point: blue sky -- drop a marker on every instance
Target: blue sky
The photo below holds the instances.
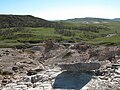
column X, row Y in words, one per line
column 62, row 9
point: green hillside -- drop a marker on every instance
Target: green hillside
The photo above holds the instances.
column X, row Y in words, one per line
column 90, row 20
column 7, row 21
column 32, row 30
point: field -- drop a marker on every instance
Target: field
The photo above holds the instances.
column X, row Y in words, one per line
column 99, row 34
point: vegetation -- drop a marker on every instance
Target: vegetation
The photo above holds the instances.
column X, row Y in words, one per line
column 91, row 20
column 31, row 30
column 7, row 21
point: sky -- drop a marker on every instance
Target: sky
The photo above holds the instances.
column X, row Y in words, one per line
column 62, row 9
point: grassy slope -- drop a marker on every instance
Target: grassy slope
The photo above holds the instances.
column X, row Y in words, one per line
column 40, row 34
column 113, row 40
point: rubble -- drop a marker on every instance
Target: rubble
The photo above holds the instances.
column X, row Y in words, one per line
column 55, row 67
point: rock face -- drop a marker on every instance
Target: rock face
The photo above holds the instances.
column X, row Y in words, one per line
column 80, row 66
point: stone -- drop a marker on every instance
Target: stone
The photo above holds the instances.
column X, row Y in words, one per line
column 6, row 80
column 36, row 88
column 99, row 73
column 49, row 45
column 104, row 78
column 28, row 84
column 11, row 85
column 117, row 71
column 26, row 79
column 81, row 47
column 71, row 80
column 80, row 66
column 36, row 78
column 31, row 72
column 116, row 65
column 15, row 68
column 22, row 87
column 7, row 71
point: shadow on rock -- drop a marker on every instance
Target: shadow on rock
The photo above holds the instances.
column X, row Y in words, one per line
column 72, row 80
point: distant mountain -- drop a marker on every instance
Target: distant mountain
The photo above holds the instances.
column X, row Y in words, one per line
column 116, row 19
column 23, row 20
column 88, row 20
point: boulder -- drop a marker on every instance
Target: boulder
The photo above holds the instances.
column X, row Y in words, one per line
column 80, row 66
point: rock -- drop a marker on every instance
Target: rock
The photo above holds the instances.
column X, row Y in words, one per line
column 71, row 80
column 39, row 68
column 81, row 47
column 21, row 87
column 31, row 66
column 11, row 85
column 6, row 80
column 49, row 45
column 26, row 79
column 104, row 78
column 79, row 58
column 28, row 84
column 37, row 88
column 4, row 72
column 116, row 65
column 117, row 76
column 15, row 68
column 47, row 86
column 31, row 72
column 36, row 78
column 99, row 73
column 37, row 48
column 117, row 71
column 80, row 66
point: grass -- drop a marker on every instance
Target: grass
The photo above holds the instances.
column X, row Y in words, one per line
column 10, row 44
column 36, row 35
column 113, row 40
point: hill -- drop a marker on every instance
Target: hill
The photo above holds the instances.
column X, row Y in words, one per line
column 88, row 20
column 21, row 30
column 116, row 19
column 23, row 20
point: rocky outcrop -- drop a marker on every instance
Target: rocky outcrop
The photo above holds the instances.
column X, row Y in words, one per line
column 51, row 45
column 81, row 47
column 41, row 81
column 54, row 79
column 80, row 66
column 29, row 65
